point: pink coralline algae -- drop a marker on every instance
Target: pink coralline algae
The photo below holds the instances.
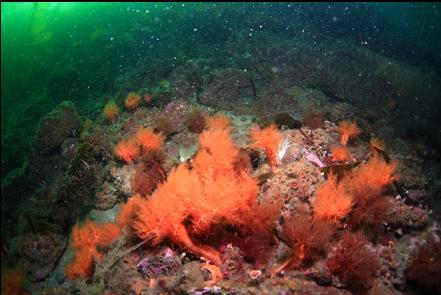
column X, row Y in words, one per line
column 313, row 158
column 164, row 264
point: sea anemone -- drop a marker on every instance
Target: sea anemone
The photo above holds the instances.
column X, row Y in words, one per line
column 91, row 235
column 347, row 130
column 254, row 274
column 81, row 266
column 132, row 101
column 126, row 215
column 215, row 142
column 111, row 111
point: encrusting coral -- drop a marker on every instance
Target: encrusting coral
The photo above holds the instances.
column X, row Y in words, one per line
column 209, row 193
column 347, row 130
column 268, row 139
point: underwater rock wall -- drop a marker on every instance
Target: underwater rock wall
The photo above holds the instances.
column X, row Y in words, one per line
column 331, row 148
column 290, row 242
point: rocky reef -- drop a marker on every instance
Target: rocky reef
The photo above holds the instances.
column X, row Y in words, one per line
column 289, row 177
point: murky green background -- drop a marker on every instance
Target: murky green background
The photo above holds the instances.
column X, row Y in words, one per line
column 87, row 52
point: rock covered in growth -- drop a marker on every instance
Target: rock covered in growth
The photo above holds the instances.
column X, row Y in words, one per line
column 47, row 162
column 424, row 266
column 279, row 100
column 341, row 111
column 160, row 265
column 55, row 144
column 106, row 197
column 297, row 180
column 42, row 249
column 345, row 263
column 56, row 126
column 229, row 89
column 122, row 179
column 79, row 186
column 176, row 112
column 100, row 140
column 391, row 269
column 40, row 252
column 181, row 147
column 69, row 147
column 14, row 187
column 411, row 173
column 296, row 101
column 408, row 216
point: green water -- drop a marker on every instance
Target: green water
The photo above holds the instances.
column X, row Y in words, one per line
column 88, row 52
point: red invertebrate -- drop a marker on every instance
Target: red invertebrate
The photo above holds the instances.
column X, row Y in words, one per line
column 347, row 130
column 86, row 241
column 210, row 193
column 306, row 237
column 269, row 140
column 127, row 150
column 353, row 263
